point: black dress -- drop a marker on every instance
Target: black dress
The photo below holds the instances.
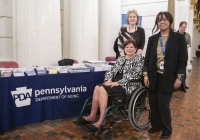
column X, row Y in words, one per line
column 115, row 89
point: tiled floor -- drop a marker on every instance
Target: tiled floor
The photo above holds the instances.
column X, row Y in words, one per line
column 185, row 121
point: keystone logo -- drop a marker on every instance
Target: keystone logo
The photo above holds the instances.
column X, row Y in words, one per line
column 22, row 96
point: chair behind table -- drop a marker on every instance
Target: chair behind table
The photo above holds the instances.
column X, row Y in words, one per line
column 8, row 64
column 110, row 58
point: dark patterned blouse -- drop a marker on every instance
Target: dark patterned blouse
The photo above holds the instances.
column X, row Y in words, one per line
column 138, row 35
column 132, row 70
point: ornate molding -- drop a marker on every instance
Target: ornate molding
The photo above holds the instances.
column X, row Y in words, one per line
column 196, row 12
column 192, row 2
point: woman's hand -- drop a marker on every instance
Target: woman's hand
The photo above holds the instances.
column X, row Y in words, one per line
column 112, row 84
column 146, row 82
column 139, row 51
column 177, row 83
column 108, row 81
column 122, row 53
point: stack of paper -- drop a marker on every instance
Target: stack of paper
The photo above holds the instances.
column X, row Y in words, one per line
column 62, row 69
column 98, row 67
column 6, row 72
column 52, row 70
column 95, row 61
column 41, row 70
column 30, row 71
column 77, row 69
column 18, row 72
column 106, row 67
column 93, row 67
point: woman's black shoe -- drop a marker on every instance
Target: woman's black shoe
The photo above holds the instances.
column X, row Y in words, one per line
column 81, row 121
column 164, row 136
column 151, row 130
column 92, row 128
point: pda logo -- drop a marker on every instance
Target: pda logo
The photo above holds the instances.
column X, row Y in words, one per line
column 22, row 96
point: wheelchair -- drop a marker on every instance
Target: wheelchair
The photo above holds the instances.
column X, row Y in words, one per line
column 134, row 108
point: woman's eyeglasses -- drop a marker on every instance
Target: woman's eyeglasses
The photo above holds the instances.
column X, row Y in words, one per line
column 164, row 20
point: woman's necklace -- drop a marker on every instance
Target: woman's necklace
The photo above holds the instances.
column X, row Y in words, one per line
column 131, row 31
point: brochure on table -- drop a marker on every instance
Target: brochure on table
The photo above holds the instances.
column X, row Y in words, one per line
column 86, row 66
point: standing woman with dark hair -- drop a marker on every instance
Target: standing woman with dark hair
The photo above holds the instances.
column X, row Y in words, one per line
column 131, row 31
column 163, row 70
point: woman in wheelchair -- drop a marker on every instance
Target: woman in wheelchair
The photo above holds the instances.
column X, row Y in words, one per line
column 117, row 80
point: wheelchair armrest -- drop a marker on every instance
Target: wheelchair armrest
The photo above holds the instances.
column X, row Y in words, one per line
column 136, row 80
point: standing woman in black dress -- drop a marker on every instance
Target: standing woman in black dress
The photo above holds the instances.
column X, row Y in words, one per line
column 131, row 31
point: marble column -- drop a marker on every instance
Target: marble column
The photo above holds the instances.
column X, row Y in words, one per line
column 191, row 51
column 110, row 23
column 171, row 9
column 66, row 29
column 83, row 29
column 37, row 32
column 6, row 32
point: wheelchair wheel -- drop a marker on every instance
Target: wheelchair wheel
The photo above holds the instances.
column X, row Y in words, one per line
column 107, row 134
column 139, row 110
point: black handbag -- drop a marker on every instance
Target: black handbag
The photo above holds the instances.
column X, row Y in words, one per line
column 66, row 62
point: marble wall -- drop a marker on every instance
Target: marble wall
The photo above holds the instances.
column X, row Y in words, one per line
column 90, row 28
column 37, row 32
column 6, row 30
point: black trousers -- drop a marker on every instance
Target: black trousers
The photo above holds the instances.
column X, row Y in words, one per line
column 160, row 107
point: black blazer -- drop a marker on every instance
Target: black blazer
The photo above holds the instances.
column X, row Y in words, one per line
column 175, row 60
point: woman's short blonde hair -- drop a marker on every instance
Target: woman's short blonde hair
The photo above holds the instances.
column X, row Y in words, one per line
column 128, row 14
